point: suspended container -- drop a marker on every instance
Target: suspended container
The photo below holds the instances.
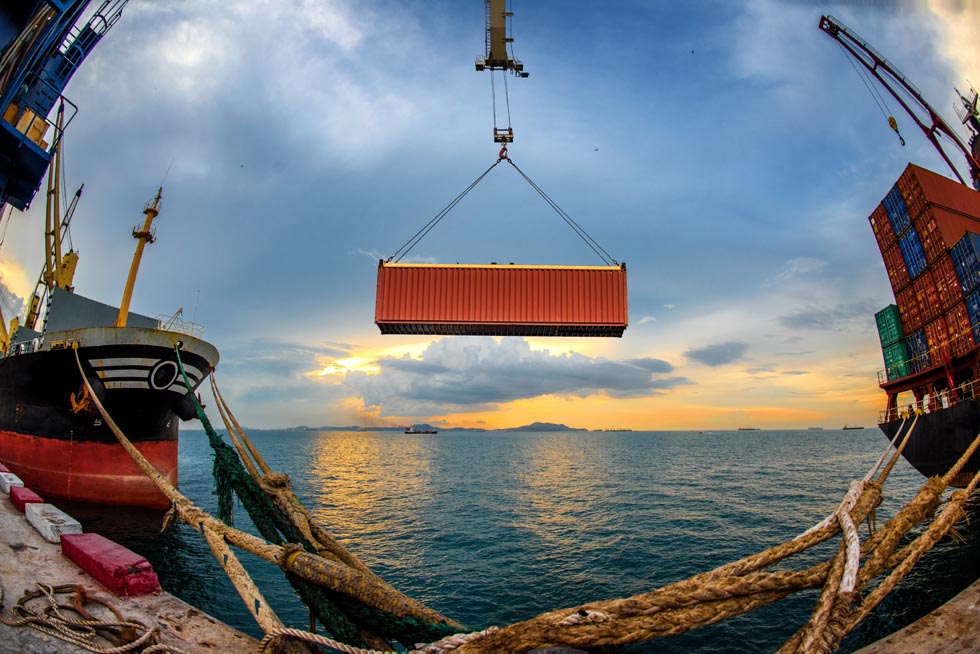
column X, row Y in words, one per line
column 501, row 300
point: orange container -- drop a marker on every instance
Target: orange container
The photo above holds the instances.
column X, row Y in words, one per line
column 501, row 300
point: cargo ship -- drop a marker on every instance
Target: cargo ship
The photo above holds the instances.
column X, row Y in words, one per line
column 51, row 436
column 928, row 231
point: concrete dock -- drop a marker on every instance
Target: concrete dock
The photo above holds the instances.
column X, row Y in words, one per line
column 953, row 628
column 26, row 558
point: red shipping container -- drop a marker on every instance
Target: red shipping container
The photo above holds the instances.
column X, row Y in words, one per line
column 937, row 335
column 882, row 228
column 960, row 334
column 908, row 310
column 926, row 187
column 501, row 300
column 940, row 228
column 898, row 272
column 927, row 296
column 947, row 283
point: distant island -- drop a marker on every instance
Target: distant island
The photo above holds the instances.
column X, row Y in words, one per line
column 534, row 427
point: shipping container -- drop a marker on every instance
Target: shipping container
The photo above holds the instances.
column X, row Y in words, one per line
column 897, row 212
column 961, row 338
column 898, row 272
column 919, row 358
column 501, row 300
column 927, row 296
column 896, row 358
column 939, row 228
column 889, row 325
column 966, row 259
column 882, row 228
column 912, row 252
column 937, row 336
column 920, row 187
column 947, row 282
column 908, row 310
column 972, row 303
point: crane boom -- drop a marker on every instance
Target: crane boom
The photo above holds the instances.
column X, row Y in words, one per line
column 906, row 94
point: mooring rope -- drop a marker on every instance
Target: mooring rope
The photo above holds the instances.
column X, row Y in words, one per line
column 702, row 600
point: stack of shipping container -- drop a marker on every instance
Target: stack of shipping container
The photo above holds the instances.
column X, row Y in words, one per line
column 928, row 231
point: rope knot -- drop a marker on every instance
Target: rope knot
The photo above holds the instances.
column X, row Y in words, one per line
column 450, row 643
column 584, row 616
column 277, row 480
column 289, row 553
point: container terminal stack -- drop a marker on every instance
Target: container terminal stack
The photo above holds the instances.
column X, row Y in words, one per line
column 927, row 228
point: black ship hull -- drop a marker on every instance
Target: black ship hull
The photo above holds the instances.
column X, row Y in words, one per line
column 54, row 439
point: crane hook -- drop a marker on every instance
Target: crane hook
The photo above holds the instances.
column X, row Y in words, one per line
column 894, row 125
column 503, row 152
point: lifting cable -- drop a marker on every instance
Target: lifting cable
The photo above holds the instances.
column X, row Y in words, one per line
column 879, row 100
column 419, row 235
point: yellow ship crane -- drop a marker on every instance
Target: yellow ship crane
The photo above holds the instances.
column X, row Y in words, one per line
column 497, row 57
column 142, row 236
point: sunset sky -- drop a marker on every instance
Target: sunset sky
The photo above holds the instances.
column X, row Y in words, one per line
column 728, row 152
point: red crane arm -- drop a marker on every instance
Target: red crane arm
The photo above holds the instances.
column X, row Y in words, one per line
column 894, row 81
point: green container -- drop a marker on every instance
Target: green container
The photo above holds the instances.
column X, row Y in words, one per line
column 896, row 360
column 889, row 325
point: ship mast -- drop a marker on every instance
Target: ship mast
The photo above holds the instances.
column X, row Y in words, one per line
column 143, row 236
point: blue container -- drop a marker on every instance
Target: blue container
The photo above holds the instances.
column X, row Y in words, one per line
column 967, row 261
column 912, row 252
column 918, row 351
column 973, row 311
column 898, row 212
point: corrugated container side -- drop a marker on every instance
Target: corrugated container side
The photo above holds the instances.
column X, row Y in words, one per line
column 961, row 338
column 882, row 228
column 966, row 261
column 908, row 309
column 937, row 189
column 939, row 228
column 501, row 300
column 972, row 303
column 896, row 358
column 889, row 325
column 918, row 351
column 912, row 252
column 898, row 272
column 927, row 296
column 896, row 210
column 911, row 191
column 937, row 334
column 947, row 282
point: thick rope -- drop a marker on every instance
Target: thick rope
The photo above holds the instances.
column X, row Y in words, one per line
column 334, row 576
column 704, row 599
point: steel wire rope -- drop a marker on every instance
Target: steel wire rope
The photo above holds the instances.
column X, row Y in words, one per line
column 864, row 80
column 493, row 100
column 419, row 235
column 507, row 100
column 584, row 235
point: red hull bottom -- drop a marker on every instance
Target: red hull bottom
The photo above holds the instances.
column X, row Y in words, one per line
column 101, row 473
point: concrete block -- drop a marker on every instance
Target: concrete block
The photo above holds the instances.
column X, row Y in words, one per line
column 51, row 522
column 7, row 481
column 21, row 496
column 122, row 571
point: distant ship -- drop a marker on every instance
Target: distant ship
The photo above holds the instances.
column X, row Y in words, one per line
column 421, row 429
column 846, row 427
column 748, row 429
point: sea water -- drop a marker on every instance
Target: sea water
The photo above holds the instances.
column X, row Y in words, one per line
column 497, row 527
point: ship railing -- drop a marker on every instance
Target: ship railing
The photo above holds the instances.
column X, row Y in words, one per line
column 175, row 324
column 931, row 402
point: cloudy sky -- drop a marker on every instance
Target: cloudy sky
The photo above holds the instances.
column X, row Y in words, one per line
column 727, row 151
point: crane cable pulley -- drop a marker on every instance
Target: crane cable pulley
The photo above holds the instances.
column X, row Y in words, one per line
column 502, row 156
